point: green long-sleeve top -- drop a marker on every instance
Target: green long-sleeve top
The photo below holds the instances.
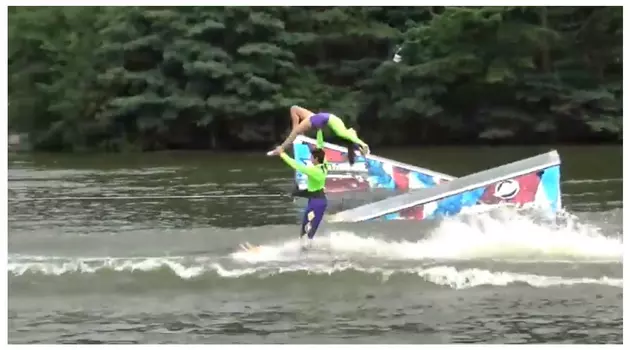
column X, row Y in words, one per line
column 316, row 174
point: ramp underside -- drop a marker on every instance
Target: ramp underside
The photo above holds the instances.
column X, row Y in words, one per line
column 456, row 186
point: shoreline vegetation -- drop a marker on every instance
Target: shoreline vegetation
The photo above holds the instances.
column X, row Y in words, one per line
column 127, row 79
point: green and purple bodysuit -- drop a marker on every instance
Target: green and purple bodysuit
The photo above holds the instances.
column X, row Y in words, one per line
column 320, row 120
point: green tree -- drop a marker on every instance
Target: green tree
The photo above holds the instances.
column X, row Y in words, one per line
column 52, row 74
column 134, row 78
column 489, row 73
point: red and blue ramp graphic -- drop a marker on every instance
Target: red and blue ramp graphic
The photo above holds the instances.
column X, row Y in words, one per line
column 541, row 187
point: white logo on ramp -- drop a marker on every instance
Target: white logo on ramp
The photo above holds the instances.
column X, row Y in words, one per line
column 507, row 189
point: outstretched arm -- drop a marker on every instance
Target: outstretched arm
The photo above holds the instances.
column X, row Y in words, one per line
column 310, row 171
column 300, row 129
column 320, row 138
column 300, row 123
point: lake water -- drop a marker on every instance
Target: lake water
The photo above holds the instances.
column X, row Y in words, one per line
column 157, row 260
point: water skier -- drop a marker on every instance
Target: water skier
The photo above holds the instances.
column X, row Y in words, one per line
column 314, row 192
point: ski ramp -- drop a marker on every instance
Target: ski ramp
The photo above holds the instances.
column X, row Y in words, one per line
column 532, row 180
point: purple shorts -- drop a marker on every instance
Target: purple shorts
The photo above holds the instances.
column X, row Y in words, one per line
column 319, row 120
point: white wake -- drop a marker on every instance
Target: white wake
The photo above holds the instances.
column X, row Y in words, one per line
column 510, row 237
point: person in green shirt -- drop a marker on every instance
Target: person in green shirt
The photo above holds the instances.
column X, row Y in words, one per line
column 316, row 181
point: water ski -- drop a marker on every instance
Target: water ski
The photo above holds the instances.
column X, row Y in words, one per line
column 248, row 247
column 305, row 245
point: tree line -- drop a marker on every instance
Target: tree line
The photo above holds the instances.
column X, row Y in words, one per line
column 134, row 78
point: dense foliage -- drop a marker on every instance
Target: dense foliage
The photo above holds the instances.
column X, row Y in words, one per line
column 132, row 78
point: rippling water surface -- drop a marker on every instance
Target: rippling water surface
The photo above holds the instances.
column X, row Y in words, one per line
column 144, row 249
